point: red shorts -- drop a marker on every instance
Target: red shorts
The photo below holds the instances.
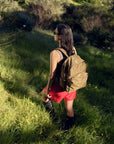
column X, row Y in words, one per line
column 57, row 93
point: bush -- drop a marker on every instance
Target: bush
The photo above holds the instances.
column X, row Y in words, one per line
column 89, row 23
column 84, row 18
column 18, row 19
column 101, row 39
column 95, row 1
column 44, row 11
column 80, row 39
column 88, row 1
column 8, row 6
column 93, row 22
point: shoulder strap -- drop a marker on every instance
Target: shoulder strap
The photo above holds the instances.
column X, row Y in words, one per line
column 63, row 51
column 74, row 50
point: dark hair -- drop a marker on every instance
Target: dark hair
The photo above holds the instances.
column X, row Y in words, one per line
column 67, row 37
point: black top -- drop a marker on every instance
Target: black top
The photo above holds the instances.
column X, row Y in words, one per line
column 57, row 72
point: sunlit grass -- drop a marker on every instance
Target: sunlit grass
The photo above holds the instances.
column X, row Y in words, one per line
column 74, row 2
column 24, row 69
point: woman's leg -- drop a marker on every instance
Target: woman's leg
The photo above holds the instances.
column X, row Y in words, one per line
column 69, row 108
column 69, row 122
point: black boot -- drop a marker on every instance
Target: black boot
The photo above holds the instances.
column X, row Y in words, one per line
column 68, row 123
column 49, row 107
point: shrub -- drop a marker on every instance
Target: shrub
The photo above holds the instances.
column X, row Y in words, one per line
column 84, row 18
column 93, row 22
column 21, row 1
column 18, row 19
column 78, row 0
column 80, row 39
column 13, row 16
column 89, row 23
column 101, row 39
column 95, row 1
column 46, row 10
column 8, row 6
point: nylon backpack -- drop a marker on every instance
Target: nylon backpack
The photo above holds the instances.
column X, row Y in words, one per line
column 73, row 72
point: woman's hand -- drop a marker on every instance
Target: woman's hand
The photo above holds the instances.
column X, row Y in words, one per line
column 45, row 96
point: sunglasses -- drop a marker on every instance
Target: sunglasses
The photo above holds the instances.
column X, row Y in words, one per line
column 55, row 33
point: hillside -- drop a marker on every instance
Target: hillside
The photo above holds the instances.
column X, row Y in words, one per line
column 24, row 69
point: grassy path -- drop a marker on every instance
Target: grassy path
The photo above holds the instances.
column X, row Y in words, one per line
column 24, row 69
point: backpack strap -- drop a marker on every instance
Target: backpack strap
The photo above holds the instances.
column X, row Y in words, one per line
column 73, row 51
column 63, row 51
column 61, row 54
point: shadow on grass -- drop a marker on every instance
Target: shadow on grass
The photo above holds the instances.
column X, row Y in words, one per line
column 30, row 54
column 99, row 91
column 16, row 135
column 32, row 50
column 16, row 89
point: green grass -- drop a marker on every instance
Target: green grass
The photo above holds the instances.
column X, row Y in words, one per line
column 24, row 69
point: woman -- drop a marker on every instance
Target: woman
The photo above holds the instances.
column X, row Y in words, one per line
column 53, row 91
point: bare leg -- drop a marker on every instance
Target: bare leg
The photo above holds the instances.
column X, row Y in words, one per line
column 69, row 122
column 69, row 108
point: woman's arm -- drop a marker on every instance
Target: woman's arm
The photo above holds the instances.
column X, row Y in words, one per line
column 54, row 59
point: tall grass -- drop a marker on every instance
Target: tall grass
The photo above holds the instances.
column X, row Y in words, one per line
column 24, row 69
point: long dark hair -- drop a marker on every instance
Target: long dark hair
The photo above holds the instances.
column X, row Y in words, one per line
column 67, row 37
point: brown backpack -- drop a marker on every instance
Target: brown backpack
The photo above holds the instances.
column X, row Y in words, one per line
column 73, row 72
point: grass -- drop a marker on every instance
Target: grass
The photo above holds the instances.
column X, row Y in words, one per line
column 74, row 2
column 24, row 69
